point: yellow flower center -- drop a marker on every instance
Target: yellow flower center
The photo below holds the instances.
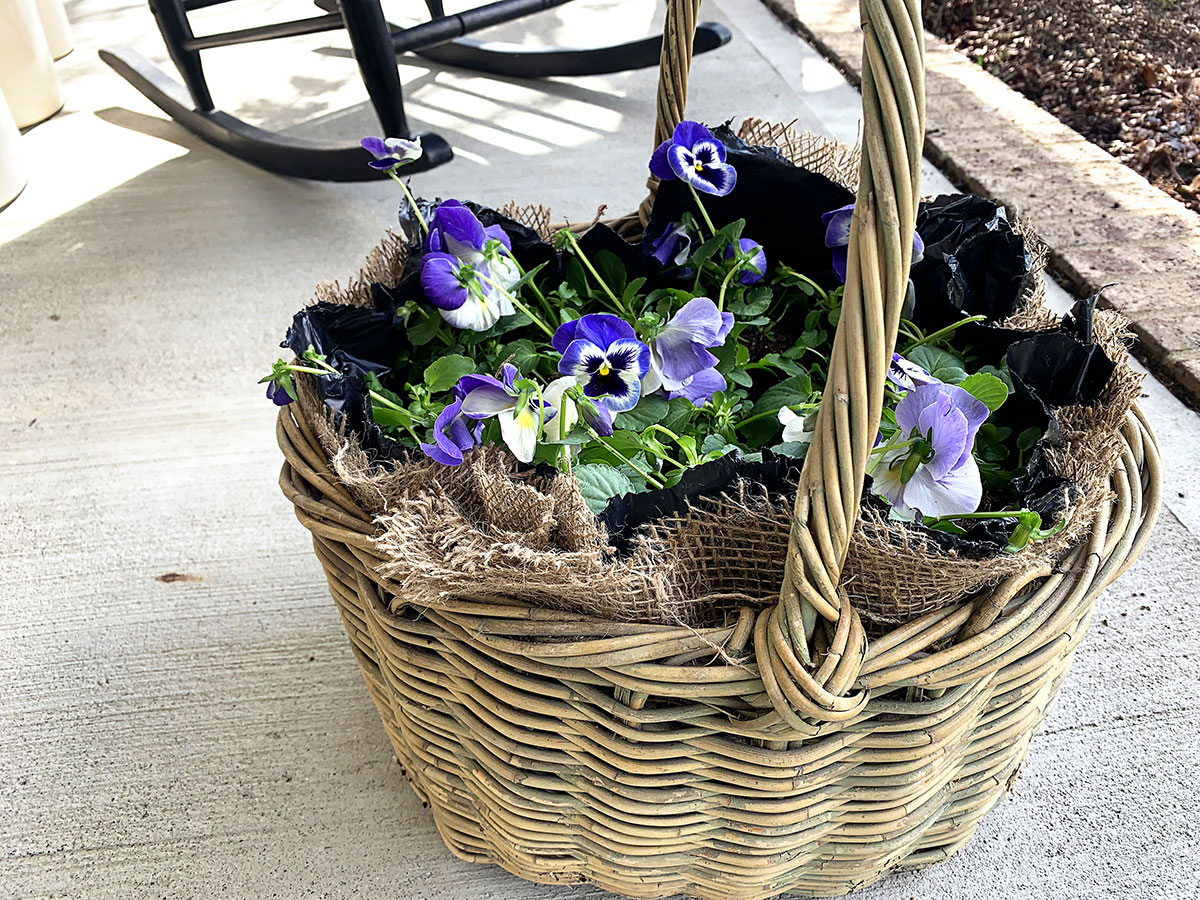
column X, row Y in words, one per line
column 699, row 166
column 604, row 369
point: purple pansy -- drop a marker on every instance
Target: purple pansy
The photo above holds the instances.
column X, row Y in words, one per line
column 944, row 420
column 837, row 238
column 453, row 433
column 391, row 152
column 756, row 268
column 516, row 410
column 681, row 350
column 602, row 353
column 694, row 155
column 467, row 270
column 907, row 375
column 278, row 394
column 673, row 246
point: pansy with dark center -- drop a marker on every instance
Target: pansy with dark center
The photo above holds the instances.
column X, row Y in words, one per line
column 837, row 238
column 391, row 152
column 602, row 352
column 906, row 375
column 696, row 157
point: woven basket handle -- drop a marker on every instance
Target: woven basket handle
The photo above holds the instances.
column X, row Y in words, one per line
column 810, row 646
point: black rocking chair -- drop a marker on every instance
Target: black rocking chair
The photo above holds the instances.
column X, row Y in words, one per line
column 375, row 43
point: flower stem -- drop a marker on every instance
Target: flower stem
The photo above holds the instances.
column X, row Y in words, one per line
column 578, row 251
column 724, row 287
column 712, row 229
column 411, row 200
column 385, row 402
column 517, row 303
column 673, row 436
column 942, row 333
column 629, row 462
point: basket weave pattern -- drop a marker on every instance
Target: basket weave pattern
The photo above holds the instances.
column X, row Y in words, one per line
column 780, row 752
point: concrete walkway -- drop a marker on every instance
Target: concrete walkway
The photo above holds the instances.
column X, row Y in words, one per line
column 180, row 715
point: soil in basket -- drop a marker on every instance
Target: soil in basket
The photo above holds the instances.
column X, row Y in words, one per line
column 1123, row 73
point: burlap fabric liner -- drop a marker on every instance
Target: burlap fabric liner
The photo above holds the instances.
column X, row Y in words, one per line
column 486, row 530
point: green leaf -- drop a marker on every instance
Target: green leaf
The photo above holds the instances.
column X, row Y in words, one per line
column 443, row 373
column 791, row 449
column 650, row 410
column 678, row 415
column 1002, row 373
column 1027, row 438
column 599, row 484
column 790, row 391
column 739, row 376
column 390, row 418
column 423, row 326
column 783, row 363
column 611, row 269
column 524, row 354
column 941, row 364
column 715, row 446
column 741, row 356
column 987, row 389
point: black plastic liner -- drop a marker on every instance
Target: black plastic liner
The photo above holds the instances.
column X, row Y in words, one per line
column 975, row 264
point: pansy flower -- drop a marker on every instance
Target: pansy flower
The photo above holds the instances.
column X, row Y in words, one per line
column 936, row 474
column 797, row 429
column 681, row 350
column 673, row 246
column 907, row 375
column 699, row 388
column 467, row 270
column 279, row 393
column 602, row 353
column 568, row 410
column 391, row 152
column 695, row 156
column 837, row 238
column 756, row 268
column 462, row 298
column 515, row 409
column 453, row 433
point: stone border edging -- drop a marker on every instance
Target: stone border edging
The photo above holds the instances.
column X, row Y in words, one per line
column 1103, row 222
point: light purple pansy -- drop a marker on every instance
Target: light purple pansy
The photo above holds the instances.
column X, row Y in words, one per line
column 700, row 388
column 694, row 155
column 391, row 152
column 681, row 350
column 907, row 375
column 516, row 410
column 756, row 268
column 602, row 353
column 947, row 482
column 837, row 238
column 453, row 433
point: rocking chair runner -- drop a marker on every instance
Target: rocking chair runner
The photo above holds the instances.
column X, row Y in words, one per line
column 376, row 43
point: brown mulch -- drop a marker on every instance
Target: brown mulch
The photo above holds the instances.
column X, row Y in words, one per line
column 1125, row 74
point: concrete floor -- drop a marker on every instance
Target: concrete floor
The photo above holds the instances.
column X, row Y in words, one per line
column 209, row 736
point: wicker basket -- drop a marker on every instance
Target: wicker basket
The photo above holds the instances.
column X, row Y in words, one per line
column 800, row 758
